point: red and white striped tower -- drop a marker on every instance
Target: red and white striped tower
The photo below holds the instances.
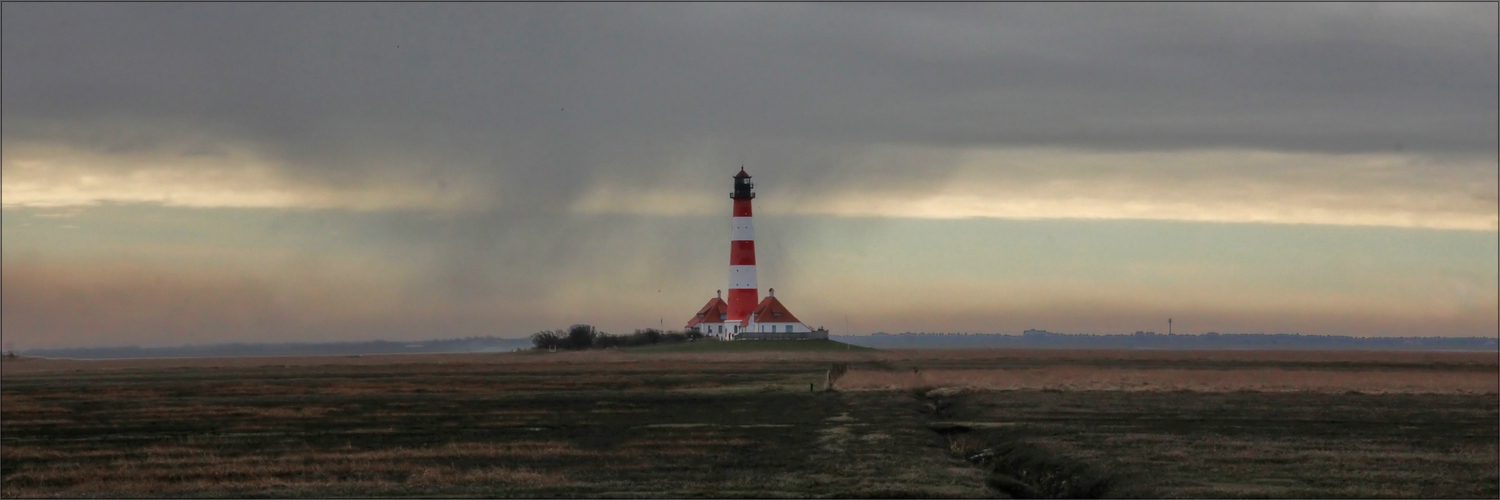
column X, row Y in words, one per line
column 743, row 292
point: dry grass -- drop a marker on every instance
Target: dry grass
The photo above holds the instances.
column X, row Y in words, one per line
column 615, row 360
column 629, row 362
column 616, row 424
column 220, row 477
column 1319, row 356
column 1082, row 378
column 523, row 425
column 1257, row 444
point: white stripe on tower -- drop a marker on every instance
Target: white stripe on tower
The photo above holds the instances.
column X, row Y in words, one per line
column 744, row 230
column 741, row 277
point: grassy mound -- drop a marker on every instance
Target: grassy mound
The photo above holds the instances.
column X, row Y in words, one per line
column 752, row 346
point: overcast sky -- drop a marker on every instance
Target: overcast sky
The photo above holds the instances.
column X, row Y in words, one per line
column 197, row 173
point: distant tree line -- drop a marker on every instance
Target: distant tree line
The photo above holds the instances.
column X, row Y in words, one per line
column 580, row 337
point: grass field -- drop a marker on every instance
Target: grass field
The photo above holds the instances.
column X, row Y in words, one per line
column 746, row 424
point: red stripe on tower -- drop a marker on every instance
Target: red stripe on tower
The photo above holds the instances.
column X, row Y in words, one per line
column 743, row 291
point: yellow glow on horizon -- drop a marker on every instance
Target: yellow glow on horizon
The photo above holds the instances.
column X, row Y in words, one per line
column 1195, row 186
column 1199, row 186
column 56, row 176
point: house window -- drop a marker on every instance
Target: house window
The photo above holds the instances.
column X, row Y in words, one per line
column 789, row 328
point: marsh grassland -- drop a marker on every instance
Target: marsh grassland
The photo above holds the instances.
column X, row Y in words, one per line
column 974, row 423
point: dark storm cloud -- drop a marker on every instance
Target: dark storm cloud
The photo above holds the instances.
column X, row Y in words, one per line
column 535, row 101
column 554, row 126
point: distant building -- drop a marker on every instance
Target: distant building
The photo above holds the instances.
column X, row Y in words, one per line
column 1032, row 334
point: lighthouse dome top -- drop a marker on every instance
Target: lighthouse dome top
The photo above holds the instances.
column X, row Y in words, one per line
column 742, row 174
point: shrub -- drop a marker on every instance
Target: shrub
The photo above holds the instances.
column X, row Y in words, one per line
column 646, row 337
column 547, row 339
column 606, row 341
column 580, row 337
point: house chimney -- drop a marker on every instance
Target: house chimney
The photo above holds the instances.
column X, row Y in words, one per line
column 772, row 291
column 719, row 293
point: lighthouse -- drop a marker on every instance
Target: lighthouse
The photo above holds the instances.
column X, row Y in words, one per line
column 745, row 316
column 743, row 292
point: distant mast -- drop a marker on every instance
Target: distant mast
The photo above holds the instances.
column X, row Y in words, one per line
column 744, row 294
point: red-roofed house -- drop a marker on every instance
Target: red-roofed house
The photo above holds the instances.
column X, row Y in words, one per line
column 713, row 319
column 770, row 316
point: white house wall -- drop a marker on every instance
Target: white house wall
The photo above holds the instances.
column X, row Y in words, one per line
column 779, row 327
column 725, row 330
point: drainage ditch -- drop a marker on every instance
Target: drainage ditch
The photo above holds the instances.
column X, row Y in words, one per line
column 1015, row 467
